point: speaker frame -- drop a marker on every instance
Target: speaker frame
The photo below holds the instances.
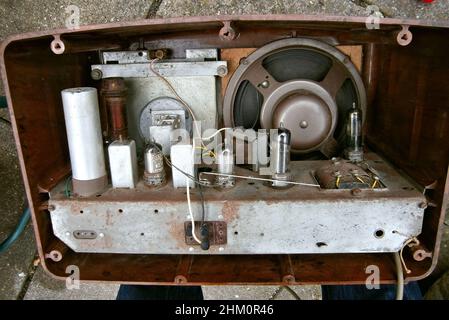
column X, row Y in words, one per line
column 339, row 59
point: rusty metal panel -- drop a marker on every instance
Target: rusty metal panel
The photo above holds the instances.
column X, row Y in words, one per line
column 260, row 219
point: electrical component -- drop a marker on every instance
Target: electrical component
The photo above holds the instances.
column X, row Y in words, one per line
column 225, row 161
column 280, row 157
column 306, row 84
column 113, row 95
column 123, row 163
column 171, row 87
column 154, row 174
column 354, row 149
column 82, row 121
column 181, row 156
column 159, row 120
column 342, row 174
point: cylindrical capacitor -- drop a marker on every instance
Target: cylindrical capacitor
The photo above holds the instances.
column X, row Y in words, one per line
column 113, row 93
column 354, row 149
column 280, row 152
column 82, row 120
column 154, row 174
column 225, row 162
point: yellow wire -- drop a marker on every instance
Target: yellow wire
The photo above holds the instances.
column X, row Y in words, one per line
column 337, row 182
column 210, row 153
column 360, row 179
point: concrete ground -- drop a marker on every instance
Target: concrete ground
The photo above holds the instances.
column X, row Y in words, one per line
column 21, row 277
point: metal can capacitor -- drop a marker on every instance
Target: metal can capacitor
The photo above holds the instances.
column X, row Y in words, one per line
column 154, row 174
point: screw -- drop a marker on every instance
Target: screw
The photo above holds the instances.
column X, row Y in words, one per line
column 220, row 217
column 265, row 84
column 221, row 249
column 160, row 54
column 96, row 74
column 191, row 249
column 101, row 234
column 303, row 124
column 67, row 234
column 222, row 71
column 422, row 205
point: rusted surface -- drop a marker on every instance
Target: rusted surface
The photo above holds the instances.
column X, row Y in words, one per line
column 412, row 89
column 217, row 232
column 183, row 269
column 286, row 269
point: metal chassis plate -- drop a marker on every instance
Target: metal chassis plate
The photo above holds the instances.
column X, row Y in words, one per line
column 166, row 69
column 260, row 219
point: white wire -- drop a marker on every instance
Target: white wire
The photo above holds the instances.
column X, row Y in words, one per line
column 400, row 276
column 261, row 179
column 190, row 211
column 217, row 132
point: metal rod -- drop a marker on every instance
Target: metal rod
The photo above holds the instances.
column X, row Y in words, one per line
column 262, row 179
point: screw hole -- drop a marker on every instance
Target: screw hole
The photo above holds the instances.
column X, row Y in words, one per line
column 251, row 183
column 142, row 234
column 140, row 53
column 236, row 232
column 156, row 211
column 120, row 210
column 379, row 233
column 321, row 244
column 81, row 211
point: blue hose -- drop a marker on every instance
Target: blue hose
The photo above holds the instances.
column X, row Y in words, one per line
column 17, row 232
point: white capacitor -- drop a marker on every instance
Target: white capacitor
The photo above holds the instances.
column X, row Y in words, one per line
column 82, row 121
column 123, row 163
column 181, row 157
